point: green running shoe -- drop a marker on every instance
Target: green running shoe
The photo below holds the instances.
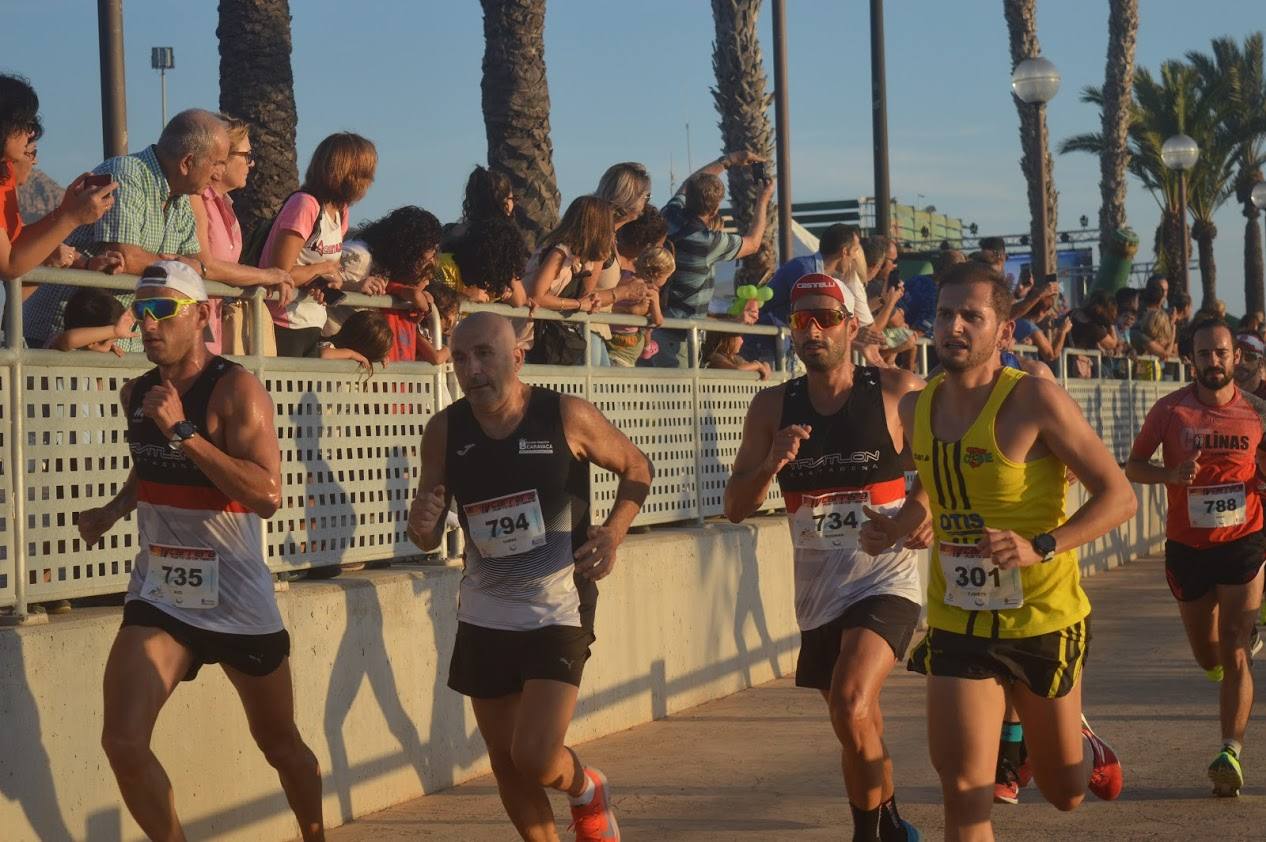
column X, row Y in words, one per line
column 1215, row 674
column 1226, row 774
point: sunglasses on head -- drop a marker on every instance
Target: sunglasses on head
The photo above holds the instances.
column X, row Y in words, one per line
column 801, row 319
column 159, row 309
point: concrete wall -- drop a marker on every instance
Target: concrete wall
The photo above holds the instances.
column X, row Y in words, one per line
column 688, row 615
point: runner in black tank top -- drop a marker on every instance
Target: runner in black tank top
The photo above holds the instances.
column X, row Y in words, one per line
column 206, row 471
column 828, row 439
column 515, row 459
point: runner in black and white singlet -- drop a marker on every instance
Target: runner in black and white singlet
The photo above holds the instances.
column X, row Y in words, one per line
column 515, row 459
column 829, row 440
column 206, row 468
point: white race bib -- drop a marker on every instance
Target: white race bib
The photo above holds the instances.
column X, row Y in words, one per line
column 974, row 583
column 506, row 525
column 829, row 522
column 1211, row 506
column 183, row 577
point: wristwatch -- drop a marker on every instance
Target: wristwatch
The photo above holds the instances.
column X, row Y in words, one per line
column 1044, row 546
column 181, row 433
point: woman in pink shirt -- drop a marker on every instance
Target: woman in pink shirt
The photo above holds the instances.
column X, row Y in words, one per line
column 220, row 235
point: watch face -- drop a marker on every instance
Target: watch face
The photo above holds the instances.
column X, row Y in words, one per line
column 184, row 429
column 1044, row 544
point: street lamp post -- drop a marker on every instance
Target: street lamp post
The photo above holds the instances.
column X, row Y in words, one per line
column 1035, row 81
column 1180, row 153
column 162, row 59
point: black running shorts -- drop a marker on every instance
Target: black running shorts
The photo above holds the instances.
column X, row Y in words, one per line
column 253, row 654
column 491, row 663
column 1192, row 572
column 891, row 617
column 1050, row 664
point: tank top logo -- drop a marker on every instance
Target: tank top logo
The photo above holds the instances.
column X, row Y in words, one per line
column 528, row 447
column 977, row 456
column 860, row 457
column 1194, row 438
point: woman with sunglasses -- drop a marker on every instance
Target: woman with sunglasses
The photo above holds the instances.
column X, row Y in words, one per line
column 220, row 235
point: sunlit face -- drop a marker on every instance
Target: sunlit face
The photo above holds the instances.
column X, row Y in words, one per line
column 169, row 341
column 241, row 161
column 16, row 144
column 823, row 348
column 486, row 359
column 1249, row 366
column 1215, row 357
column 198, row 170
column 967, row 331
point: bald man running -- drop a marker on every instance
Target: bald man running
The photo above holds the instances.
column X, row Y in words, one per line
column 516, row 458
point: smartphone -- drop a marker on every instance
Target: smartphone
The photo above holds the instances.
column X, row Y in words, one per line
column 95, row 182
column 332, row 296
column 758, row 172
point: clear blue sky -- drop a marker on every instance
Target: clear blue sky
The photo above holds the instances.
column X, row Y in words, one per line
column 624, row 80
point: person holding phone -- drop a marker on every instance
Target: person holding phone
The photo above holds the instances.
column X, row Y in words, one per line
column 306, row 238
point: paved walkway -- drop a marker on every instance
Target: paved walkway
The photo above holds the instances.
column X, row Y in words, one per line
column 763, row 764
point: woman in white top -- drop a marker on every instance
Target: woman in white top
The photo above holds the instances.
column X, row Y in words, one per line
column 307, row 237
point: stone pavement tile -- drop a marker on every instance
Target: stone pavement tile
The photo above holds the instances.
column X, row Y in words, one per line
column 764, row 764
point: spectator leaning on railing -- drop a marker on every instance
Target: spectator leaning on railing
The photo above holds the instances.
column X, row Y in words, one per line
column 23, row 247
column 306, row 237
column 627, row 187
column 694, row 228
column 220, row 235
column 488, row 196
column 151, row 216
column 488, row 263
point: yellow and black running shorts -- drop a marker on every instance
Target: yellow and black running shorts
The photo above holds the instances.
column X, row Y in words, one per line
column 1049, row 664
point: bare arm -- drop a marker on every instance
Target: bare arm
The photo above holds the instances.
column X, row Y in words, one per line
column 426, row 515
column 41, row 238
column 226, row 271
column 758, row 459
column 756, row 233
column 595, row 439
column 546, row 273
column 285, row 256
column 1064, row 430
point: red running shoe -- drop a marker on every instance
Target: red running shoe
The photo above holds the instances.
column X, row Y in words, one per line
column 595, row 821
column 1006, row 792
column 1106, row 779
column 1024, row 775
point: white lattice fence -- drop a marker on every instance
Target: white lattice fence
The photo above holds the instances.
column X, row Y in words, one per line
column 76, row 458
column 723, row 403
column 350, row 459
column 6, row 497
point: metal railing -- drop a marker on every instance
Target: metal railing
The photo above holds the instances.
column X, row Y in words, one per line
column 350, row 444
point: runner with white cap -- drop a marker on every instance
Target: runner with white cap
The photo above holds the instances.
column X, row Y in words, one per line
column 833, row 441
column 206, row 470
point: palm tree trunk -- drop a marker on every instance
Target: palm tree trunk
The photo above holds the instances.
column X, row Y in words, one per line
column 257, row 85
column 1204, row 233
column 1118, row 92
column 1169, row 234
column 742, row 99
column 1021, row 18
column 1254, row 295
column 516, row 109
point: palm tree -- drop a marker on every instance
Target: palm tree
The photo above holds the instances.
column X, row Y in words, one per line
column 742, row 99
column 1163, row 107
column 516, row 109
column 1118, row 83
column 1022, row 29
column 1238, row 75
column 257, row 85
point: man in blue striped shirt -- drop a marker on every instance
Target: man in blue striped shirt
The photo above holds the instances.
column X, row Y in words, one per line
column 694, row 228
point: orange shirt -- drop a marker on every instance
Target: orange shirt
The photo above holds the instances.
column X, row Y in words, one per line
column 10, row 219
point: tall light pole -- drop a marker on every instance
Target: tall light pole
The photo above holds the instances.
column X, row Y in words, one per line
column 1259, row 196
column 1035, row 81
column 879, row 120
column 1180, row 153
column 162, row 59
column 782, row 131
column 113, row 98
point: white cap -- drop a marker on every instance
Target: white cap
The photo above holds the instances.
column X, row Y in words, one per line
column 175, row 275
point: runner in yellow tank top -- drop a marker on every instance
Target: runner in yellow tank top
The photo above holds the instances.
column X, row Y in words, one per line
column 972, row 483
column 1006, row 612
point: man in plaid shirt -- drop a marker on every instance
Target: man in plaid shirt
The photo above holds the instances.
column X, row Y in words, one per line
column 151, row 218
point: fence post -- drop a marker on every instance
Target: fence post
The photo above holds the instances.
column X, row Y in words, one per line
column 696, row 386
column 17, row 459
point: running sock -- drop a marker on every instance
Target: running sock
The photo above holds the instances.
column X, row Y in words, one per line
column 891, row 828
column 1011, row 749
column 865, row 823
column 586, row 794
column 1236, row 747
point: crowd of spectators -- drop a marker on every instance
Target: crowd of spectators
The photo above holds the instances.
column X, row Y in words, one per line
column 611, row 252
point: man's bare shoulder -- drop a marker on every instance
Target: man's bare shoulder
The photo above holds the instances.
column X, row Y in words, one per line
column 900, row 382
